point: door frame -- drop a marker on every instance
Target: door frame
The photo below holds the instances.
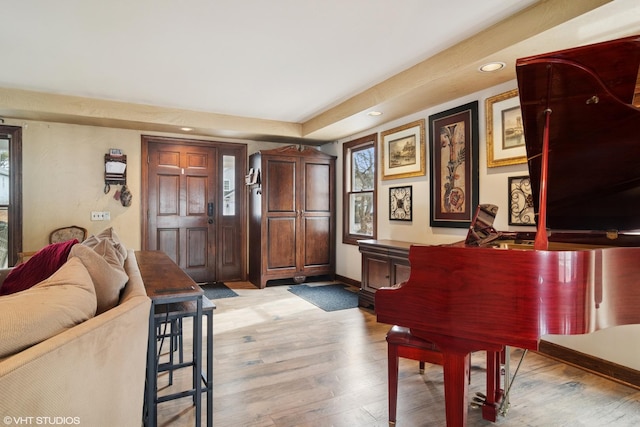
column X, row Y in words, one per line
column 186, row 142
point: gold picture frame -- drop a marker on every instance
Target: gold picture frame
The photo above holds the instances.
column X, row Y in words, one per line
column 403, row 152
column 505, row 134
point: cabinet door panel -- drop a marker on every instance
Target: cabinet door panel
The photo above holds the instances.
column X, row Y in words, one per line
column 281, row 241
column 317, row 196
column 317, row 240
column 401, row 273
column 378, row 272
column 280, row 188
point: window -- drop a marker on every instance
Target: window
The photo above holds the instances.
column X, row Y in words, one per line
column 10, row 194
column 228, row 185
column 359, row 221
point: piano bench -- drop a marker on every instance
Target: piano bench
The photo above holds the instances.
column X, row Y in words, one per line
column 401, row 343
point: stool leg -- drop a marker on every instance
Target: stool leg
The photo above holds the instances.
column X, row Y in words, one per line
column 172, row 348
column 210, row 369
column 392, row 366
column 161, row 335
column 180, row 342
column 421, row 367
column 196, row 356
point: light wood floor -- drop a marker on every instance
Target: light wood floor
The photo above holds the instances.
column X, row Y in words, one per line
column 280, row 361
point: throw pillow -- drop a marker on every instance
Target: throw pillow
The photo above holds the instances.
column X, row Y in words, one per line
column 41, row 265
column 103, row 264
column 110, row 235
column 54, row 305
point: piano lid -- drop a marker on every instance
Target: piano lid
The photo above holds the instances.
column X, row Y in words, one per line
column 594, row 134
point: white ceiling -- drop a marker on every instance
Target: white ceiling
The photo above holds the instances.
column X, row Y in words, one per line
column 279, row 68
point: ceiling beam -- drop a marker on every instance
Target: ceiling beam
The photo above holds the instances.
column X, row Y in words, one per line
column 453, row 72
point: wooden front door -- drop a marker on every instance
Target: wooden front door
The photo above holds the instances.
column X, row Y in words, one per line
column 189, row 211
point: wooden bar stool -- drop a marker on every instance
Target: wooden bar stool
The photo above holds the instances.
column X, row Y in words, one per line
column 172, row 315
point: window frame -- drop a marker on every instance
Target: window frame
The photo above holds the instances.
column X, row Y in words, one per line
column 347, row 149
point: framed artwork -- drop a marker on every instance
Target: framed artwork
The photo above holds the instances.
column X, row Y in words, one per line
column 453, row 136
column 505, row 133
column 400, row 204
column 521, row 211
column 403, row 151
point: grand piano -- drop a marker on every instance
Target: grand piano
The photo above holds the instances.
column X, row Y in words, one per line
column 580, row 271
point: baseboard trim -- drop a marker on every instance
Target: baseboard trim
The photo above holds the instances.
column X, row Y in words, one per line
column 347, row 281
column 604, row 368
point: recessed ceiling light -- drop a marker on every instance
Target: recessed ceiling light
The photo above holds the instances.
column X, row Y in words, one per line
column 492, row 66
column 187, row 129
column 374, row 113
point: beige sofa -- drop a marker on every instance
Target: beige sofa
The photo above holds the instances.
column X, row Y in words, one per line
column 92, row 374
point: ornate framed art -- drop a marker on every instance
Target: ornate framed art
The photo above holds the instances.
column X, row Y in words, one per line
column 400, row 203
column 453, row 136
column 505, row 133
column 403, row 152
column 521, row 211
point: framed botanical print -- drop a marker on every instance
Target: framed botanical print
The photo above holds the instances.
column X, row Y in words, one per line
column 403, row 152
column 505, row 132
column 521, row 210
column 453, row 145
column 400, row 203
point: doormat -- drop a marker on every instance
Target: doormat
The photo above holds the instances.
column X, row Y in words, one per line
column 327, row 297
column 217, row 290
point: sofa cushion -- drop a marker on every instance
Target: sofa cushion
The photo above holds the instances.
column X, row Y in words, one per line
column 111, row 236
column 54, row 305
column 41, row 265
column 108, row 275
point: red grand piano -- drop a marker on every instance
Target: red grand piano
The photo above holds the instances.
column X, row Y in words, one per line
column 580, row 271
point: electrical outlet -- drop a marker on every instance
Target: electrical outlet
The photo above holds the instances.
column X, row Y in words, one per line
column 97, row 216
column 106, row 215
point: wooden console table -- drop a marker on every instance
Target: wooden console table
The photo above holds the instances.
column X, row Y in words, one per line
column 170, row 287
column 384, row 263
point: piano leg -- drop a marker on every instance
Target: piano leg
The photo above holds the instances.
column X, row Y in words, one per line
column 494, row 391
column 456, row 387
column 392, row 382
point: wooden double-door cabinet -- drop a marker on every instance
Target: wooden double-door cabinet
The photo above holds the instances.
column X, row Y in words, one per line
column 384, row 263
column 291, row 215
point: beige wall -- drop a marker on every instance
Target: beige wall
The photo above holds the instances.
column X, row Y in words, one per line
column 493, row 189
column 63, row 179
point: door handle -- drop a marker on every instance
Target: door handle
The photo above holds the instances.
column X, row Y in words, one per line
column 210, row 212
